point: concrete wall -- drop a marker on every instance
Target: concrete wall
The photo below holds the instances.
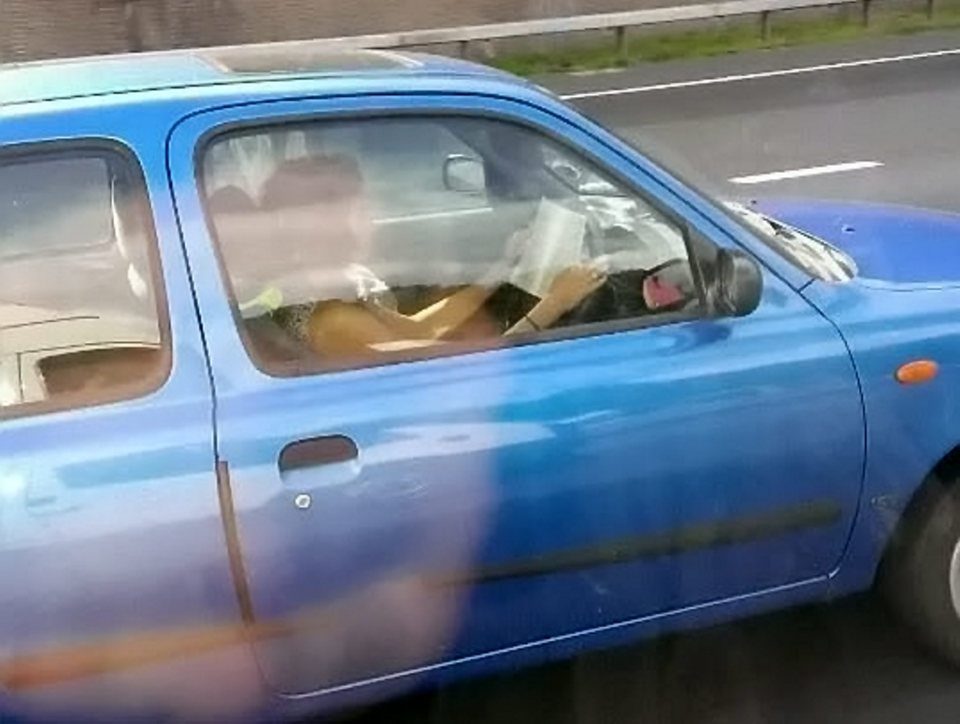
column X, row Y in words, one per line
column 49, row 28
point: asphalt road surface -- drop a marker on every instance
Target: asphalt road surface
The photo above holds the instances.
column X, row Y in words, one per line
column 897, row 124
column 902, row 112
column 846, row 663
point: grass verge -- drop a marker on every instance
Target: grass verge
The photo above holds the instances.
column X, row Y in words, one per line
column 734, row 37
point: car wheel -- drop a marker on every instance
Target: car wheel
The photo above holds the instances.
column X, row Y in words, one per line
column 921, row 576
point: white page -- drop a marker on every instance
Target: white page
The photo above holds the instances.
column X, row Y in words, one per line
column 555, row 243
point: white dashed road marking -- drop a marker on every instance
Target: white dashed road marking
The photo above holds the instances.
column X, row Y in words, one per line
column 761, row 178
column 763, row 74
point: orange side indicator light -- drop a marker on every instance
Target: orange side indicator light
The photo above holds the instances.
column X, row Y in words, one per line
column 917, row 372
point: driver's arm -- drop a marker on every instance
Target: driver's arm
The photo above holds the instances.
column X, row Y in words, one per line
column 344, row 330
column 436, row 320
column 567, row 290
column 451, row 312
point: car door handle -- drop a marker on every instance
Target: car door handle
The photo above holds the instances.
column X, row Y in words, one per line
column 317, row 451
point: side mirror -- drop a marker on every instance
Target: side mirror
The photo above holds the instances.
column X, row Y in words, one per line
column 738, row 285
column 464, row 174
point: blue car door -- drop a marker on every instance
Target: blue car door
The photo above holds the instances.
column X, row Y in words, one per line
column 413, row 501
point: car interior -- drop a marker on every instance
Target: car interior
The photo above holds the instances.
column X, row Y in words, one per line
column 71, row 225
column 465, row 188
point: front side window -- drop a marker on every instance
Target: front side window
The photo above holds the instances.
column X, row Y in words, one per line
column 79, row 319
column 346, row 242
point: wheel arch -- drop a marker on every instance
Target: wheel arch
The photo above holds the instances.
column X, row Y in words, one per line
column 943, row 476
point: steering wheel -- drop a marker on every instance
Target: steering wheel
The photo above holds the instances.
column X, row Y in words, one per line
column 635, row 293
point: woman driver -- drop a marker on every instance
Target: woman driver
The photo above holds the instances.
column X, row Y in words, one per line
column 330, row 190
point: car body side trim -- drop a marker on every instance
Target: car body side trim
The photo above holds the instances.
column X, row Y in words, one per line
column 815, row 514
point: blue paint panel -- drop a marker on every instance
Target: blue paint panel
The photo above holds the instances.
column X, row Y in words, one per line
column 910, row 427
column 32, row 82
column 895, row 244
column 176, row 71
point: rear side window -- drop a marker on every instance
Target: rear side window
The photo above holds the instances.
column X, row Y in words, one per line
column 80, row 320
column 54, row 204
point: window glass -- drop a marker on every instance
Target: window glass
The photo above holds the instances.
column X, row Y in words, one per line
column 348, row 241
column 78, row 312
column 53, row 204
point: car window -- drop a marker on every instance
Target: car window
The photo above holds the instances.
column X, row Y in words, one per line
column 398, row 159
column 70, row 196
column 79, row 322
column 349, row 242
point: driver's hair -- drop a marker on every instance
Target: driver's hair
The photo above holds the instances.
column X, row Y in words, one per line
column 313, row 180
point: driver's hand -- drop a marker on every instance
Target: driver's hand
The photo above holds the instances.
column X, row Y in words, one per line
column 573, row 285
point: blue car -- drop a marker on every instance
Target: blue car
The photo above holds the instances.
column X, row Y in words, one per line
column 324, row 377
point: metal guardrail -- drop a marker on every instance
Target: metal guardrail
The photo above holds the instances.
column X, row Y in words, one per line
column 617, row 23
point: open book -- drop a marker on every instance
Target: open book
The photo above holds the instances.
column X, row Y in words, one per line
column 555, row 243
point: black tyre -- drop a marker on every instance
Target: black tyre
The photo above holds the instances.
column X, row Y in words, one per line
column 921, row 575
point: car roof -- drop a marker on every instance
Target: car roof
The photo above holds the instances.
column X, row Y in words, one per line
column 39, row 81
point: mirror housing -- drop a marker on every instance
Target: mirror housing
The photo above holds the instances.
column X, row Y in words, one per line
column 738, row 285
column 464, row 174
